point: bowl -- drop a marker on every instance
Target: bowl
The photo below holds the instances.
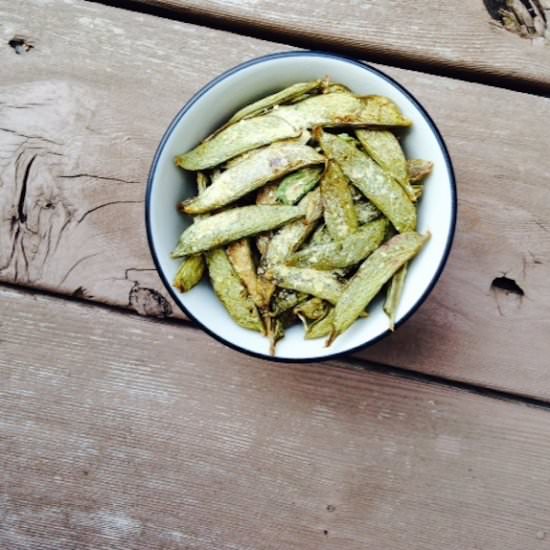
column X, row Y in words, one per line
column 208, row 109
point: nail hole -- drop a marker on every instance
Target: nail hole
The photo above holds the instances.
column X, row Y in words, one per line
column 331, row 507
column 325, row 532
column 507, row 285
column 20, row 45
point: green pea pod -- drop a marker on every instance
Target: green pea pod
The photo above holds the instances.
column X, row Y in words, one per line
column 338, row 209
column 320, row 236
column 232, row 225
column 333, row 88
column 291, row 236
column 366, row 211
column 231, row 291
column 344, row 253
column 393, row 296
column 266, row 195
column 270, row 101
column 240, row 256
column 320, row 328
column 374, row 272
column 189, row 273
column 384, row 148
column 257, row 169
column 311, row 310
column 419, row 169
column 285, row 299
column 288, row 121
column 294, row 186
column 383, row 191
column 310, row 281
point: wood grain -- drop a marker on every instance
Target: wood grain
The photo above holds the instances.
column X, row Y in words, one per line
column 463, row 39
column 76, row 139
column 140, row 434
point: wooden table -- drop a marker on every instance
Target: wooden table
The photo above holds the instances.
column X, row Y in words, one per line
column 123, row 426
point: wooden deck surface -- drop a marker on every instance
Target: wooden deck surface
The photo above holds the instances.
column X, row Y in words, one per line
column 124, row 432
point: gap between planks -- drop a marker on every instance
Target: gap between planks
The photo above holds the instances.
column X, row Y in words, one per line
column 263, row 31
column 344, row 361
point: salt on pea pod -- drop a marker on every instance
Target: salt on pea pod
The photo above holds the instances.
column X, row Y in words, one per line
column 373, row 274
column 383, row 191
column 283, row 96
column 366, row 211
column 232, row 225
column 240, row 256
column 190, row 273
column 231, row 291
column 393, row 296
column 297, row 184
column 385, row 149
column 322, row 284
column 258, row 168
column 419, row 169
column 288, row 121
column 341, row 254
column 236, row 139
column 338, row 209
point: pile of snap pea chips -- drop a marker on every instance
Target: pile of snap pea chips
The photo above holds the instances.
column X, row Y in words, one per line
column 305, row 210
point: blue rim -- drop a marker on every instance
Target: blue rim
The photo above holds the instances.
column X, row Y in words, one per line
column 223, row 76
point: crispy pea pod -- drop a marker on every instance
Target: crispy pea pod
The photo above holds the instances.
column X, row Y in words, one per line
column 393, row 296
column 311, row 310
column 338, row 209
column 277, row 326
column 310, row 281
column 374, row 272
column 237, row 139
column 418, row 169
column 383, row 191
column 268, row 102
column 284, row 300
column 231, row 291
column 258, row 168
column 344, row 253
column 333, row 88
column 240, row 256
column 321, row 327
column 366, row 211
column 266, row 195
column 287, row 239
column 231, row 225
column 288, row 121
column 294, row 186
column 418, row 190
column 342, row 109
column 384, row 148
column 189, row 273
column 320, row 236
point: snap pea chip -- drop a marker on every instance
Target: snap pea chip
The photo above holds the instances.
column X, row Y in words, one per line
column 385, row 149
column 258, row 168
column 419, row 169
column 270, row 101
column 231, row 291
column 240, row 256
column 294, row 186
column 189, row 273
column 320, row 328
column 234, row 224
column 322, row 284
column 285, row 299
column 366, row 211
column 266, row 195
column 374, row 272
column 335, row 109
column 341, row 254
column 338, row 209
column 311, row 310
column 383, row 191
column 393, row 296
column 320, row 236
column 237, row 139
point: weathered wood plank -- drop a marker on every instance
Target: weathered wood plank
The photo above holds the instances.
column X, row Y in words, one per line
column 464, row 38
column 120, row 432
column 72, row 219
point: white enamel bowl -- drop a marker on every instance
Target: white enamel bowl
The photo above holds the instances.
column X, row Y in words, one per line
column 210, row 108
